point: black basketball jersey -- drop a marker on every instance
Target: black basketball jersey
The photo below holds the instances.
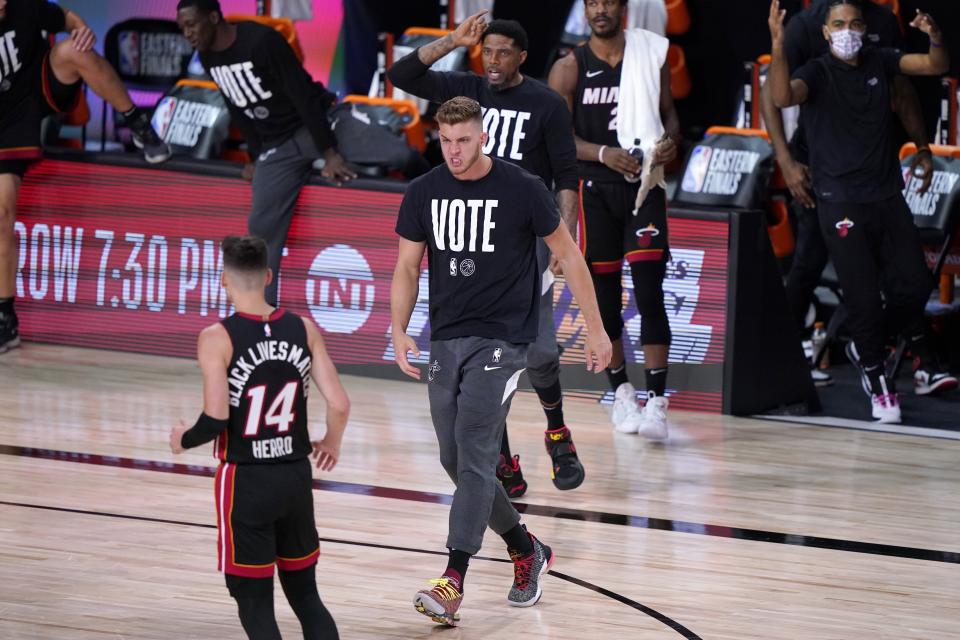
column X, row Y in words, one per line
column 268, row 376
column 595, row 110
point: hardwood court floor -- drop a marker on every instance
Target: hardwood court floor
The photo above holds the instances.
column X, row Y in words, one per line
column 735, row 529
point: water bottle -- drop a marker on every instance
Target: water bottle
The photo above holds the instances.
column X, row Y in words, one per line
column 819, row 340
column 637, row 153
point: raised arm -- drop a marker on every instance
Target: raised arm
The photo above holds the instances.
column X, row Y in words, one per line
column 933, row 63
column 785, row 92
column 403, row 297
column 598, row 349
column 324, row 373
column 412, row 72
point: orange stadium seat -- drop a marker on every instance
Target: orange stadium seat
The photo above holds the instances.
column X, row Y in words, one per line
column 283, row 25
column 414, row 131
column 678, row 17
column 778, row 223
column 680, row 85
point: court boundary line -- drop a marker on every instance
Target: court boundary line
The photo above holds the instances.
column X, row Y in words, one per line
column 549, row 511
column 861, row 425
column 653, row 613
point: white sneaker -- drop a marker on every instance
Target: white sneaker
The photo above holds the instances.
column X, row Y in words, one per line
column 626, row 415
column 886, row 407
column 654, row 418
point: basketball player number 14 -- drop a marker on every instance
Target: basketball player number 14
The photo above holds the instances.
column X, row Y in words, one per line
column 279, row 415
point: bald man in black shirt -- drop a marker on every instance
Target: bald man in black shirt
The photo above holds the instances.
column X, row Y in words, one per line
column 281, row 111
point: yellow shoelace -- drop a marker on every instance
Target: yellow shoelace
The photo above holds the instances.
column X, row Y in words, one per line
column 444, row 589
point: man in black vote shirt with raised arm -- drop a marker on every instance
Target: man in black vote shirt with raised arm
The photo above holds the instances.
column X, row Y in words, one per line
column 527, row 124
column 479, row 218
column 37, row 80
column 857, row 180
column 281, row 111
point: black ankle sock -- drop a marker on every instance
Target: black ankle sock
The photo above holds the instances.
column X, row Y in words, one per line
column 551, row 399
column 6, row 305
column 132, row 113
column 505, row 445
column 617, row 376
column 518, row 539
column 656, row 380
column 878, row 381
column 458, row 561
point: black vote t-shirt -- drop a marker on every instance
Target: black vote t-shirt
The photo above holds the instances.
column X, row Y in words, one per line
column 22, row 48
column 528, row 124
column 853, row 157
column 269, row 93
column 481, row 236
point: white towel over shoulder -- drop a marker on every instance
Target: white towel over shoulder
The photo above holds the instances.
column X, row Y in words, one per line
column 638, row 112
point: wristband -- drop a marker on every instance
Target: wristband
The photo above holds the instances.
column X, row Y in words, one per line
column 205, row 430
column 935, row 45
column 922, row 149
column 600, row 154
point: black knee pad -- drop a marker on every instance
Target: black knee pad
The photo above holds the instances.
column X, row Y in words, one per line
column 648, row 291
column 299, row 584
column 241, row 587
column 609, row 292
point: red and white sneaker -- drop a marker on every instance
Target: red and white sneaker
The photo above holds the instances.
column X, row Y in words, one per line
column 928, row 382
column 441, row 603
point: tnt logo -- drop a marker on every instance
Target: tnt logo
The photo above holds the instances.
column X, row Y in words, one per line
column 339, row 289
column 129, row 46
column 696, row 173
column 646, row 235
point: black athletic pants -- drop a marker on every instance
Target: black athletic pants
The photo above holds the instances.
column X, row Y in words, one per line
column 876, row 249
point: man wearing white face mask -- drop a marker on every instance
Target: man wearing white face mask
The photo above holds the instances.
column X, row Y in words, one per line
column 857, row 181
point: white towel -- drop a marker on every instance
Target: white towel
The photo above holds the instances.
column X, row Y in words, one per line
column 638, row 112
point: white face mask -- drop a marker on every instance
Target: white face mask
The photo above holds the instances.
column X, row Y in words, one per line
column 846, row 43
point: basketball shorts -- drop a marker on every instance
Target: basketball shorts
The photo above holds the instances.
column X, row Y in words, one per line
column 609, row 232
column 265, row 518
column 20, row 129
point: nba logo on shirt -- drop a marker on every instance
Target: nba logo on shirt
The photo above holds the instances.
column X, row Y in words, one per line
column 129, row 46
column 497, row 353
column 453, row 266
column 696, row 172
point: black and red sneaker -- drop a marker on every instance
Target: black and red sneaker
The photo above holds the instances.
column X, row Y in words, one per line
column 566, row 471
column 510, row 476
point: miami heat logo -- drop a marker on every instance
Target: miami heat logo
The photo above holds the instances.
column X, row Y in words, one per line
column 646, row 235
column 843, row 227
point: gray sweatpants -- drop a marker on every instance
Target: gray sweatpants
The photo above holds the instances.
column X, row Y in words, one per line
column 471, row 384
column 279, row 175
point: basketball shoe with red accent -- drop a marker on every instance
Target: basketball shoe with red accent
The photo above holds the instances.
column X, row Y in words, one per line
column 441, row 603
column 9, row 331
column 510, row 476
column 528, row 571
column 566, row 471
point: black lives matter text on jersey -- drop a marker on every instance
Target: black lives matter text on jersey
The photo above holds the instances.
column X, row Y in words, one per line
column 264, row 351
column 463, row 225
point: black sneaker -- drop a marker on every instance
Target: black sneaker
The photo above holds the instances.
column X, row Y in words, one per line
column 9, row 331
column 510, row 476
column 566, row 472
column 146, row 139
column 929, row 379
